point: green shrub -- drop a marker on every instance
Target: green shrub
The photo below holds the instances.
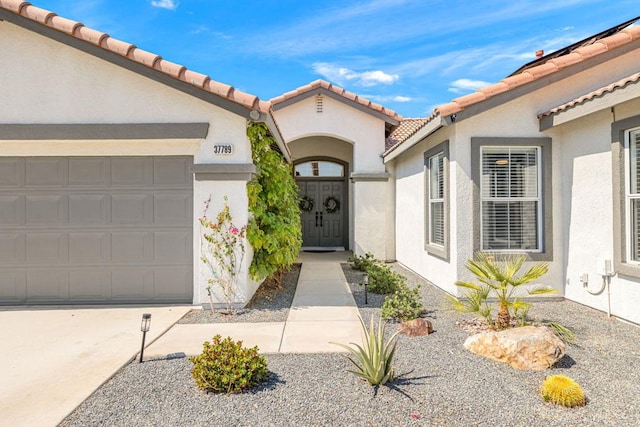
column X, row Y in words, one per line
column 405, row 304
column 383, row 280
column 562, row 391
column 363, row 263
column 225, row 366
column 373, row 359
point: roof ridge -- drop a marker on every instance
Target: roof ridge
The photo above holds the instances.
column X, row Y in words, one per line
column 340, row 91
column 133, row 53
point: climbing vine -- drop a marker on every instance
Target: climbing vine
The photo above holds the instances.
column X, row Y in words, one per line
column 274, row 229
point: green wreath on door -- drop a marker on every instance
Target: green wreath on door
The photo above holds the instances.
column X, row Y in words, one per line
column 331, row 204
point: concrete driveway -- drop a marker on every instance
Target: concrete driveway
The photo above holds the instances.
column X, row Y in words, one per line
column 52, row 359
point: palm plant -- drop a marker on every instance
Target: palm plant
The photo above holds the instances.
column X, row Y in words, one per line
column 499, row 279
column 373, row 359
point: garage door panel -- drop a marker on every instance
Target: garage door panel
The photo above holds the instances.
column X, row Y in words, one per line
column 89, row 285
column 131, row 208
column 172, row 247
column 45, row 209
column 47, row 285
column 46, row 171
column 13, row 286
column 88, row 208
column 132, row 285
column 11, row 172
column 171, row 172
column 88, row 248
column 11, row 249
column 10, row 209
column 131, row 247
column 171, row 283
column 46, row 248
column 171, row 208
column 96, row 230
column 87, row 172
column 129, row 171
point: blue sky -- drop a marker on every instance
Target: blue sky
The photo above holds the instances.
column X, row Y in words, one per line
column 409, row 55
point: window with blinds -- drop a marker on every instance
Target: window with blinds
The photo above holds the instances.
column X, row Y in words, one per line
column 436, row 199
column 633, row 195
column 510, row 194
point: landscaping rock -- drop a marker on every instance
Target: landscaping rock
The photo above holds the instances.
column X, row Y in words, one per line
column 529, row 348
column 416, row 327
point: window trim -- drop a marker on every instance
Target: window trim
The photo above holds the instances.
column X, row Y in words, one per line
column 440, row 251
column 545, row 252
column 620, row 171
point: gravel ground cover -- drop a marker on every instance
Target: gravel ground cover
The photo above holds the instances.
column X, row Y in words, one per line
column 442, row 383
column 269, row 304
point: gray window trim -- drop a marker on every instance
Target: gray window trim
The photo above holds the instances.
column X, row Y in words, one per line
column 435, row 250
column 618, row 130
column 547, row 205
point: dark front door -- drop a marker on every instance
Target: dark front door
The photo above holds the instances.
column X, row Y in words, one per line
column 323, row 224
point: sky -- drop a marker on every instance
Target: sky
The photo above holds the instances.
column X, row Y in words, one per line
column 408, row 55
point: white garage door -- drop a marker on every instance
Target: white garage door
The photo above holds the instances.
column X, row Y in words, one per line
column 92, row 230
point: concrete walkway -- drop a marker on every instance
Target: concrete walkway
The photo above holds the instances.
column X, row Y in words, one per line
column 323, row 311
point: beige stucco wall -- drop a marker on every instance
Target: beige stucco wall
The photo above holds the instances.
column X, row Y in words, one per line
column 44, row 81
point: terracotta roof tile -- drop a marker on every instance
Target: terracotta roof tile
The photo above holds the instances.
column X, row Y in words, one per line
column 131, row 52
column 566, row 60
column 405, row 129
column 472, row 98
column 591, row 50
column 494, row 89
column 634, row 78
column 350, row 96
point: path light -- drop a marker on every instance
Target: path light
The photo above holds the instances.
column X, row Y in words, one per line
column 365, row 281
column 144, row 327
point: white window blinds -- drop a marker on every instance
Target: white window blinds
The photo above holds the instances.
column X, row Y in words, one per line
column 510, row 199
column 436, row 199
column 633, row 195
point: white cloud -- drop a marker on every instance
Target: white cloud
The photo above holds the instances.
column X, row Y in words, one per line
column 467, row 85
column 401, row 98
column 342, row 75
column 165, row 4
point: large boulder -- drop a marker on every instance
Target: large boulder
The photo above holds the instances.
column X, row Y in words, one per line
column 416, row 327
column 529, row 347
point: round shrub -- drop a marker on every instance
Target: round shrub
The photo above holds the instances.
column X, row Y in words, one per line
column 405, row 304
column 562, row 391
column 225, row 366
column 383, row 280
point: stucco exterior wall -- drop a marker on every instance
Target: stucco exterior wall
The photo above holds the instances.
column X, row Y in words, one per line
column 45, row 82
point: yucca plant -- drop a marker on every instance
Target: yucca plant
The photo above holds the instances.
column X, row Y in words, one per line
column 373, row 359
column 499, row 279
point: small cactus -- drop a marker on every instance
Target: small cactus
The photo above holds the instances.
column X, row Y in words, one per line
column 562, row 391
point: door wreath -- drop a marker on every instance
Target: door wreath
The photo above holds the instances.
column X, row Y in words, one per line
column 331, row 204
column 306, row 203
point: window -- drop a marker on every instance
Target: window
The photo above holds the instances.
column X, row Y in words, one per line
column 321, row 169
column 436, row 200
column 633, row 194
column 512, row 196
column 510, row 199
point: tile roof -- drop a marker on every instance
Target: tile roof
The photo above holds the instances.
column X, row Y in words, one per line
column 131, row 52
column 634, row 78
column 553, row 65
column 349, row 96
column 405, row 129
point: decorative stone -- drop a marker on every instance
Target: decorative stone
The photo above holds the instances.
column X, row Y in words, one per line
column 530, row 347
column 415, row 328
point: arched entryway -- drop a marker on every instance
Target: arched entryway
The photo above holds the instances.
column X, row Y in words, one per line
column 322, row 189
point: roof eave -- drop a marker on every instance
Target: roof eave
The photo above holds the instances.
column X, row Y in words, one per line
column 428, row 129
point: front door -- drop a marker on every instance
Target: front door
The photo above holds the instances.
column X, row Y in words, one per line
column 322, row 213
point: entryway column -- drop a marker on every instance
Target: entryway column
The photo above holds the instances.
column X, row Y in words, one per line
column 371, row 213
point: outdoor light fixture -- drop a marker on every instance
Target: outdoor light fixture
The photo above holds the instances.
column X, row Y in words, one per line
column 365, row 282
column 144, row 327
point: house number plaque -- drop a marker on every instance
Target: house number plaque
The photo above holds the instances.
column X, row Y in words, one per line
column 223, row 149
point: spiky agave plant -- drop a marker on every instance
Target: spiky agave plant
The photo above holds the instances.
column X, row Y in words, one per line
column 499, row 279
column 373, row 360
column 562, row 391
